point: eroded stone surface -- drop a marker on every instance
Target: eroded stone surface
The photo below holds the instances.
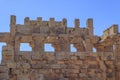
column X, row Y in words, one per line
column 62, row 64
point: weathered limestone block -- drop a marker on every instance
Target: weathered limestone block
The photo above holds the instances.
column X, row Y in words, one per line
column 107, row 56
column 78, row 62
column 82, row 75
column 36, row 57
column 37, row 66
column 55, row 66
column 60, row 56
column 4, row 76
column 62, row 64
column 3, row 69
column 81, row 56
column 73, row 57
column 44, row 30
column 11, row 65
column 23, row 65
column 7, row 54
column 23, row 77
column 27, row 21
column 40, row 77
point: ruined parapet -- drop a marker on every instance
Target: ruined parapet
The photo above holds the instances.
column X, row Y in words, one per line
column 113, row 30
column 50, row 27
column 62, row 63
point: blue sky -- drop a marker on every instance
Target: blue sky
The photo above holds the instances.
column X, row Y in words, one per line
column 104, row 12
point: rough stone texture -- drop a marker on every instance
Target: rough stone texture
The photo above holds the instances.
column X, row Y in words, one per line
column 62, row 64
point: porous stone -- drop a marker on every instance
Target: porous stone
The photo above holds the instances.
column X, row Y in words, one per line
column 95, row 58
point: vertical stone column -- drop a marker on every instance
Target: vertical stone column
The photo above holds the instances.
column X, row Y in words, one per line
column 62, row 45
column 52, row 22
column 7, row 54
column 13, row 20
column 117, row 60
column 17, row 46
column 38, row 44
column 77, row 23
column 65, row 45
column 89, row 45
column 27, row 21
column 57, row 47
column 90, row 26
column 39, row 21
column 13, row 25
column 80, row 47
column 64, row 24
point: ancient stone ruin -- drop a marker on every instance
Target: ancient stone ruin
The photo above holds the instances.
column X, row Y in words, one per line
column 62, row 64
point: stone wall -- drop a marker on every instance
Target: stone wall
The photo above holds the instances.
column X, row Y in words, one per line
column 62, row 64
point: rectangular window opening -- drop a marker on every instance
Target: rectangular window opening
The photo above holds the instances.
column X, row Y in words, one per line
column 49, row 48
column 25, row 47
column 72, row 48
column 94, row 49
column 1, row 45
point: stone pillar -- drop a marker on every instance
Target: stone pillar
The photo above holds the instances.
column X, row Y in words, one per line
column 80, row 47
column 57, row 47
column 62, row 45
column 117, row 60
column 17, row 46
column 77, row 23
column 38, row 44
column 39, row 21
column 7, row 54
column 90, row 27
column 64, row 22
column 13, row 25
column 27, row 21
column 52, row 22
column 13, row 20
column 89, row 46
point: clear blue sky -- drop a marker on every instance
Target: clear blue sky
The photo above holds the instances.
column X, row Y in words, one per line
column 104, row 12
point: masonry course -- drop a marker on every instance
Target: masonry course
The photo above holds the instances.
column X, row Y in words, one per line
column 62, row 64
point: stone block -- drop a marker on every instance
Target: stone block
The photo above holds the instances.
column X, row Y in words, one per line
column 60, row 56
column 11, row 65
column 23, row 77
column 82, row 75
column 55, row 66
column 4, row 76
column 3, row 69
column 36, row 66
column 23, row 65
column 60, row 64
column 36, row 57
